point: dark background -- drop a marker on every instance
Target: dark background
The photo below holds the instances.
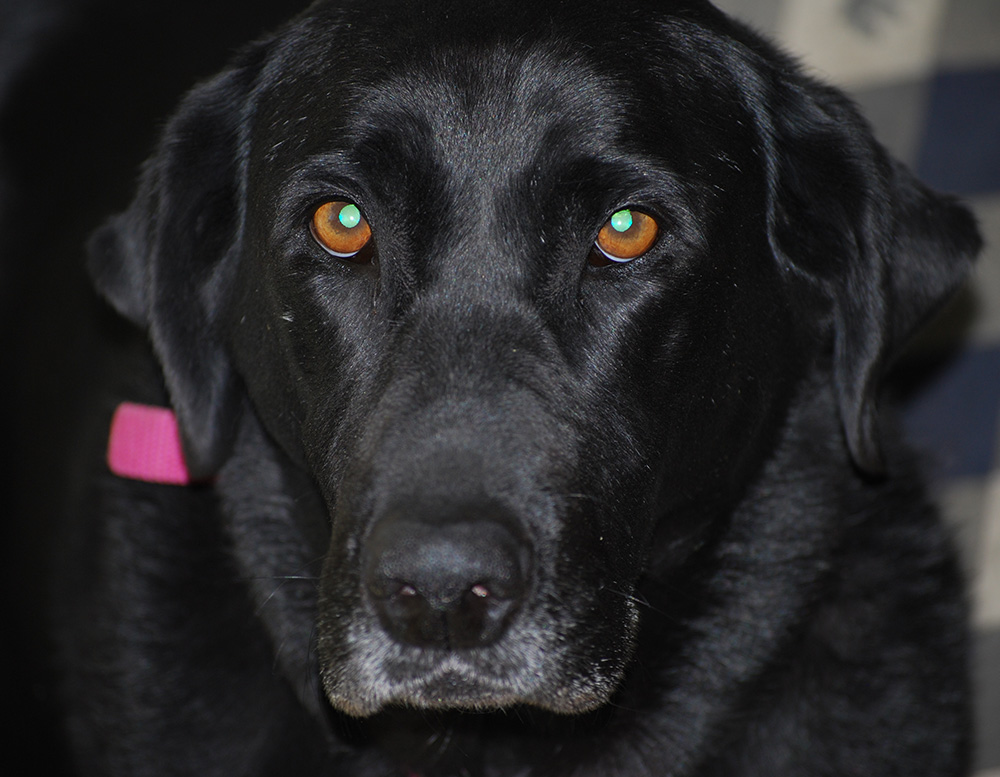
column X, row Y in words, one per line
column 84, row 87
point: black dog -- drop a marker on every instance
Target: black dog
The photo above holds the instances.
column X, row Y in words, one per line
column 525, row 360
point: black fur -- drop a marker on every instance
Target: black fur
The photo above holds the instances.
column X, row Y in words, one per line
column 715, row 558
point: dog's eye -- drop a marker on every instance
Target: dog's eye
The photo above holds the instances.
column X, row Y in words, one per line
column 341, row 230
column 627, row 235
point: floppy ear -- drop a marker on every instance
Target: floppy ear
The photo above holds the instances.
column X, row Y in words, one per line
column 886, row 250
column 166, row 262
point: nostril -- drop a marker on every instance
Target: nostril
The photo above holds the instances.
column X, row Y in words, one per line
column 409, row 617
column 454, row 585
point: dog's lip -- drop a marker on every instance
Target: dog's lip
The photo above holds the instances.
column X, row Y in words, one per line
column 435, row 680
column 455, row 686
column 458, row 681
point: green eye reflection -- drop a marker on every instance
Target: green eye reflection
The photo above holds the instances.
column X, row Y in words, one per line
column 621, row 221
column 349, row 216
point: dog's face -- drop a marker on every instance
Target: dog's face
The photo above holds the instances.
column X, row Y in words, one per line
column 494, row 410
column 528, row 293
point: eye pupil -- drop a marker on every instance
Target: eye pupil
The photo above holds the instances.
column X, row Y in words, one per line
column 350, row 216
column 622, row 221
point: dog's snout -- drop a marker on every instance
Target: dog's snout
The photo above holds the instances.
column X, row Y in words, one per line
column 449, row 585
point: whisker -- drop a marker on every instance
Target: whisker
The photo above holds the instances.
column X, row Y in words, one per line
column 639, row 600
column 279, row 577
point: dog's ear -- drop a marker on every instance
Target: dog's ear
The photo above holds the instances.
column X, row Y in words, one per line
column 886, row 250
column 166, row 263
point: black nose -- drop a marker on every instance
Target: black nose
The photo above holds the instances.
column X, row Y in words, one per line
column 450, row 585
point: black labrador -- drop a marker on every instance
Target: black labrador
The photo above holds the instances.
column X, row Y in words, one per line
column 524, row 360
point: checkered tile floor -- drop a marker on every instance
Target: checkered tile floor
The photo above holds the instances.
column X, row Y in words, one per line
column 927, row 75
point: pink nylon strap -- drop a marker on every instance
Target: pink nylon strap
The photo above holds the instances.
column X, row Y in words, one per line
column 145, row 444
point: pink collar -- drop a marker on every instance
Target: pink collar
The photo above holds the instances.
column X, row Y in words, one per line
column 145, row 444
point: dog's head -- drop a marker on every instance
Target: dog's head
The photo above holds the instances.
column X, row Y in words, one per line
column 528, row 290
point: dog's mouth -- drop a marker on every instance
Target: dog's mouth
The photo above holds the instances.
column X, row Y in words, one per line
column 451, row 682
column 547, row 658
column 525, row 670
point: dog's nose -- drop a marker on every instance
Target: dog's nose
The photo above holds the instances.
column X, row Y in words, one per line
column 452, row 585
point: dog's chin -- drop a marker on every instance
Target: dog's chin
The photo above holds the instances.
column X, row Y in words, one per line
column 453, row 683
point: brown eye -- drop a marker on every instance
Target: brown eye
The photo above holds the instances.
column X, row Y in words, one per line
column 627, row 235
column 340, row 228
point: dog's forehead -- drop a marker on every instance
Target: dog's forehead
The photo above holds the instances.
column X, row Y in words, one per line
column 477, row 107
column 488, row 111
column 488, row 81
